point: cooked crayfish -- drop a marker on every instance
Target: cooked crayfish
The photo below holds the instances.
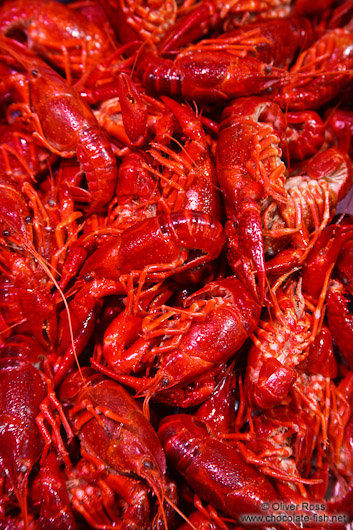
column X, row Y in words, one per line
column 63, row 111
column 170, row 174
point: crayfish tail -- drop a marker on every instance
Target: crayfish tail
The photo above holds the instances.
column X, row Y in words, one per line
column 246, row 251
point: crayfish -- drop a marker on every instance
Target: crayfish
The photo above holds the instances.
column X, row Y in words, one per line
column 173, row 239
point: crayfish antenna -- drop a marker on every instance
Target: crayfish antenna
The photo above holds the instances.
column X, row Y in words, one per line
column 161, row 496
column 47, row 270
column 179, row 512
column 146, row 407
column 158, row 488
column 154, row 385
column 21, row 494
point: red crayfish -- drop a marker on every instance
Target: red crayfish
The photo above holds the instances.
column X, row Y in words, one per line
column 173, row 237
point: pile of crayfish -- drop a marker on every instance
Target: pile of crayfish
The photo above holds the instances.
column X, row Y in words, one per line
column 176, row 346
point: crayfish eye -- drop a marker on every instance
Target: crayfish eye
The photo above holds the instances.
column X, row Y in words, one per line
column 165, row 381
column 148, row 464
column 35, row 73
